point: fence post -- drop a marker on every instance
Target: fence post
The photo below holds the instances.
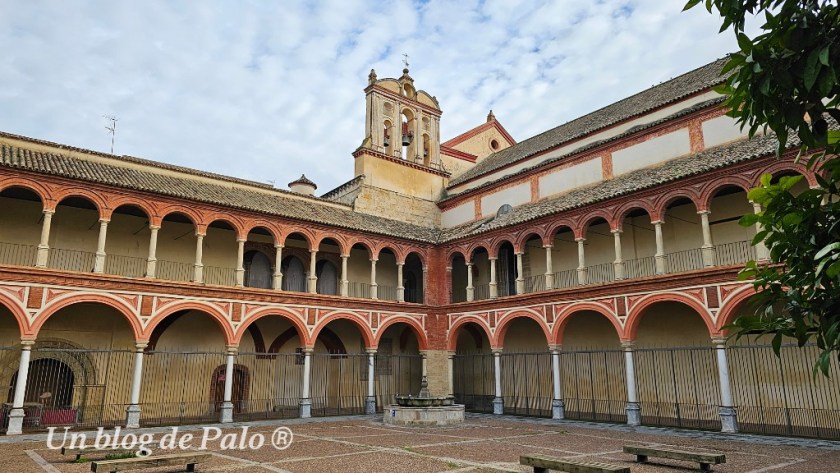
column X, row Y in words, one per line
column 305, row 401
column 17, row 414
column 728, row 414
column 498, row 402
column 226, row 414
column 558, row 406
column 451, row 373
column 370, row 402
column 132, row 420
column 633, row 411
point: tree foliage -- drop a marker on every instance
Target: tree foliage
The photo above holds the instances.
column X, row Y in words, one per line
column 785, row 80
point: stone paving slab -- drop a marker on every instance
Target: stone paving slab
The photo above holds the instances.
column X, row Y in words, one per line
column 483, row 444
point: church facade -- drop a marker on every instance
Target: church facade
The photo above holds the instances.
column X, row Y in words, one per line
column 588, row 272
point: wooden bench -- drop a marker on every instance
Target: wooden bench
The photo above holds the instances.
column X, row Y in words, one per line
column 542, row 464
column 706, row 459
column 111, row 466
column 80, row 452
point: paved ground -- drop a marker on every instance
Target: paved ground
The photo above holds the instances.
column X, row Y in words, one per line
column 482, row 444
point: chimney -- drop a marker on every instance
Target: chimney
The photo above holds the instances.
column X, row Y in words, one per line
column 303, row 186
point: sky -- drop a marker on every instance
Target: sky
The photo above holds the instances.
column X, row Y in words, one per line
column 268, row 90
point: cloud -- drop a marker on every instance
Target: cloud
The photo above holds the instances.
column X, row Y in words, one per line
column 270, row 90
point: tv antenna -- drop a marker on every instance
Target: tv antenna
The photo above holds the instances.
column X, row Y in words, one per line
column 112, row 129
column 405, row 60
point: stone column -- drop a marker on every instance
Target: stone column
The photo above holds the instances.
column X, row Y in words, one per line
column 660, row 257
column 558, row 406
column 370, row 402
column 761, row 251
column 132, row 420
column 633, row 411
column 424, row 367
column 313, row 271
column 582, row 271
column 373, row 286
column 498, row 401
column 520, row 275
column 728, row 414
column 400, row 287
column 226, row 413
column 451, row 373
column 240, row 263
column 16, row 416
column 99, row 262
column 494, row 291
column 618, row 264
column 44, row 246
column 305, row 400
column 470, row 287
column 708, row 247
column 198, row 266
column 549, row 270
column 277, row 281
column 151, row 261
column 345, row 284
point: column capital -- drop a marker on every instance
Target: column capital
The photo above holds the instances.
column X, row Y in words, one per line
column 519, row 253
column 241, row 240
column 497, row 350
column 424, row 353
column 313, row 250
column 616, row 231
column 104, row 220
column 154, row 227
column 492, row 258
column 657, row 222
column 140, row 346
column 400, row 263
column 451, row 353
column 345, row 256
column 548, row 246
column 200, row 235
column 555, row 347
column 370, row 351
column 704, row 212
column 307, row 350
column 469, row 264
column 719, row 341
column 374, row 260
column 628, row 344
column 278, row 246
column 27, row 344
column 48, row 211
column 231, row 350
column 581, row 239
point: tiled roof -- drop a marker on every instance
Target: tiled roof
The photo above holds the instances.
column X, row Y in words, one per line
column 268, row 201
column 647, row 100
column 672, row 170
column 303, row 180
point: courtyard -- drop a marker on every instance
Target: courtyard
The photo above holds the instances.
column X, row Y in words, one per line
column 484, row 443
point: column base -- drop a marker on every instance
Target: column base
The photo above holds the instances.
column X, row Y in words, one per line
column 709, row 256
column 226, row 413
column 305, row 408
column 132, row 416
column 634, row 414
column 370, row 405
column 661, row 262
column 583, row 276
column 15, row 422
column 498, row 406
column 558, row 409
column 728, row 420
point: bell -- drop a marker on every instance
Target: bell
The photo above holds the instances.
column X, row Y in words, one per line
column 387, row 141
column 406, row 139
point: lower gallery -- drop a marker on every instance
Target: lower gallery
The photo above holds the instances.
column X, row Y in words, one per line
column 585, row 273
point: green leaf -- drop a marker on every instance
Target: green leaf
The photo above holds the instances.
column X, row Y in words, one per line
column 748, row 220
column 824, row 56
column 744, row 42
column 827, row 249
column 691, row 4
column 812, row 70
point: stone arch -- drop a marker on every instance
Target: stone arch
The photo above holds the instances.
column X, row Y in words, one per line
column 340, row 240
column 779, row 167
column 377, row 251
column 622, row 212
column 293, row 318
column 366, row 244
column 414, row 325
column 267, row 226
column 566, row 314
column 308, row 237
column 556, row 227
column 637, row 311
column 496, row 245
column 522, row 239
column 714, row 187
column 418, row 254
column 18, row 312
column 130, row 201
column 590, row 218
column 504, row 324
column 36, row 188
column 452, row 342
column 662, row 204
column 92, row 197
column 101, row 298
column 214, row 312
column 187, row 212
column 473, row 248
column 729, row 308
column 357, row 320
column 231, row 221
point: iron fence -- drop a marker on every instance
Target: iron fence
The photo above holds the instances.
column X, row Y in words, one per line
column 473, row 381
column 527, row 384
column 640, row 267
column 782, row 395
column 678, row 387
column 564, row 279
column 129, row 266
column 535, row 283
column 219, row 276
column 686, row 260
column 272, row 386
column 174, row 271
column 600, row 273
column 594, row 385
column 397, row 375
column 338, row 384
column 71, row 260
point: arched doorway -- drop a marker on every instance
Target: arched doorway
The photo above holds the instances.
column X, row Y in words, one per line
column 472, row 367
column 327, row 278
column 398, row 366
column 526, row 369
column 339, row 370
column 258, row 271
column 294, row 274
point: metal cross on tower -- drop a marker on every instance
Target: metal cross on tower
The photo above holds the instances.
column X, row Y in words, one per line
column 405, row 60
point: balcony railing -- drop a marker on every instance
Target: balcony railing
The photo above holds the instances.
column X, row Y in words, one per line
column 219, row 276
column 600, row 273
column 130, row 266
column 639, row 268
column 737, row 252
column 18, row 255
column 71, row 260
column 686, row 260
column 362, row 290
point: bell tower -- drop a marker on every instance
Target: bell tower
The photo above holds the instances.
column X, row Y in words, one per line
column 400, row 154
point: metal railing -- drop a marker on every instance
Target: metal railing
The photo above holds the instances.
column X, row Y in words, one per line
column 219, row 276
column 600, row 273
column 640, row 267
column 71, row 260
column 174, row 271
column 564, row 279
column 129, row 266
column 737, row 252
column 18, row 255
column 686, row 260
